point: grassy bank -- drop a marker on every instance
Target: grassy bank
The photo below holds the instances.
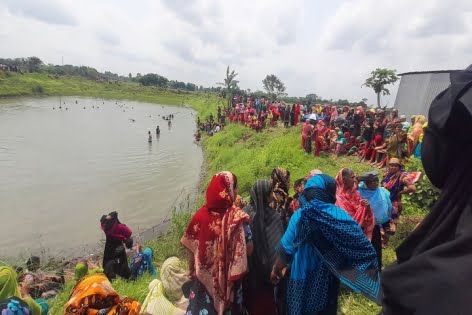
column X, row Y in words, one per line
column 39, row 84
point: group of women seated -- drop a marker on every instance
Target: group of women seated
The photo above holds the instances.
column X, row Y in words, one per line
column 373, row 136
column 31, row 285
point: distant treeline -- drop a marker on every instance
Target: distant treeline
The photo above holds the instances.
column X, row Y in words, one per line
column 34, row 64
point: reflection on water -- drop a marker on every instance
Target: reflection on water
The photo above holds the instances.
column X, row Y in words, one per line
column 60, row 170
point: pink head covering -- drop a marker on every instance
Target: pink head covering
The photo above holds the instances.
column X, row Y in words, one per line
column 334, row 113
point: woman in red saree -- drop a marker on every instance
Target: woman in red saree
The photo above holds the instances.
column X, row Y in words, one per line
column 306, row 133
column 218, row 238
column 372, row 152
column 246, row 116
column 349, row 199
column 297, row 114
column 320, row 137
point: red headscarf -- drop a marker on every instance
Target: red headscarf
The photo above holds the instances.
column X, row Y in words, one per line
column 378, row 140
column 349, row 199
column 215, row 236
column 113, row 228
column 321, row 128
column 119, row 232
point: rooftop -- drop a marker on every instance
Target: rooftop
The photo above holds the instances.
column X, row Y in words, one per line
column 425, row 72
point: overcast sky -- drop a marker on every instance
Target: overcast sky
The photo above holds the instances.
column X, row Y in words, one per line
column 323, row 47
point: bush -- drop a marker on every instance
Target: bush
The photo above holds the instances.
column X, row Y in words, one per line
column 426, row 194
column 38, row 89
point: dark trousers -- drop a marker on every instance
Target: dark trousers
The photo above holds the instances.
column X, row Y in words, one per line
column 377, row 241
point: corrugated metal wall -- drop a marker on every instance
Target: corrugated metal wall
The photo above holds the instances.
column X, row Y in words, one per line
column 417, row 91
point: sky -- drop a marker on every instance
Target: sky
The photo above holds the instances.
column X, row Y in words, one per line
column 323, row 47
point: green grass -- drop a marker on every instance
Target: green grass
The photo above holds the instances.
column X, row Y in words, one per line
column 12, row 85
column 248, row 154
column 252, row 155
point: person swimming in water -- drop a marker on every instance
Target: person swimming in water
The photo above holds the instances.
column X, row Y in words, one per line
column 149, row 137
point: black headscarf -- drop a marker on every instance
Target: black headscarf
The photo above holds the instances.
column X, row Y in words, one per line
column 267, row 229
column 433, row 272
column 115, row 261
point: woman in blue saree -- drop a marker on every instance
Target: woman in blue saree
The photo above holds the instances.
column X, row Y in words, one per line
column 324, row 246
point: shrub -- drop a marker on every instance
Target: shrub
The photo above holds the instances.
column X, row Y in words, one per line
column 426, row 194
column 38, row 89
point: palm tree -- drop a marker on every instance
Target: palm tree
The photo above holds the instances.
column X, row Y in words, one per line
column 230, row 84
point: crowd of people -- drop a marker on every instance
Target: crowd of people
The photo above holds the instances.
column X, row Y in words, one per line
column 282, row 254
column 211, row 125
column 277, row 253
column 372, row 135
column 274, row 253
column 375, row 136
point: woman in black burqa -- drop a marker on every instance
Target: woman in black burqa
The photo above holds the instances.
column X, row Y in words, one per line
column 434, row 264
column 115, row 261
column 267, row 230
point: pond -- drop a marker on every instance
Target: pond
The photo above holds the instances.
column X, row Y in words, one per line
column 61, row 169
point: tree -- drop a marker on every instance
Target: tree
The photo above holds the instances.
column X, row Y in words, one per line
column 130, row 75
column 152, row 79
column 363, row 102
column 190, row 86
column 311, row 98
column 230, row 84
column 274, row 87
column 34, row 64
column 379, row 79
